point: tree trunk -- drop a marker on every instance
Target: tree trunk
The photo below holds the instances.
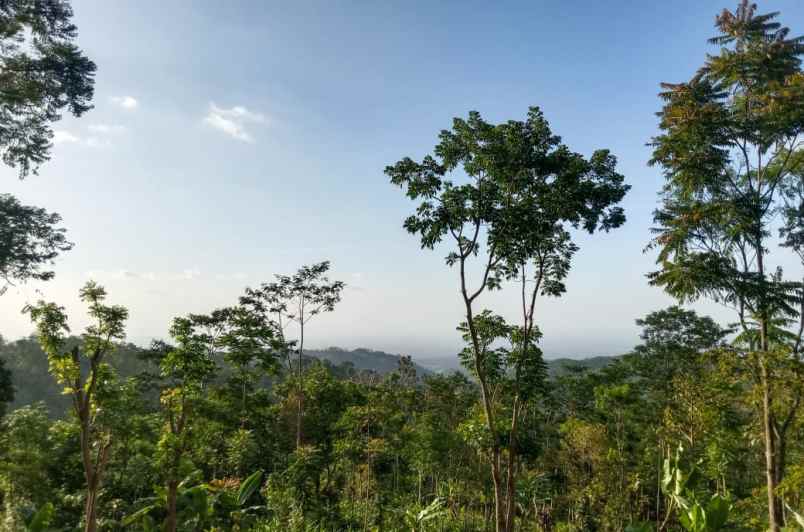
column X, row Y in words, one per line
column 92, row 470
column 171, row 521
column 775, row 518
column 90, row 511
column 499, row 509
column 510, row 488
column 496, row 455
column 300, row 398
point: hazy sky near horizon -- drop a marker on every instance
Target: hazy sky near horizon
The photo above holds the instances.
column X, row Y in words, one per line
column 234, row 140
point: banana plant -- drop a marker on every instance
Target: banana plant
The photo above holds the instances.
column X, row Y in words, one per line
column 696, row 512
column 40, row 520
column 200, row 503
column 416, row 520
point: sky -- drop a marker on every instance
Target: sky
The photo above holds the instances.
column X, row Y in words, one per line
column 231, row 141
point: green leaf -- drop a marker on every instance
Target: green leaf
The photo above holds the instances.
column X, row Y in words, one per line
column 139, row 514
column 717, row 513
column 248, row 487
column 797, row 516
column 41, row 519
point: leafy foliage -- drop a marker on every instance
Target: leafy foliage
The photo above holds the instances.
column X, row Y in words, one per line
column 521, row 190
column 29, row 241
column 42, row 72
column 730, row 152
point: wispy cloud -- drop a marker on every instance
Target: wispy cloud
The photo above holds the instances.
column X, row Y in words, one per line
column 64, row 137
column 107, row 129
column 126, row 102
column 188, row 274
column 101, row 133
column 97, row 142
column 98, row 136
column 233, row 121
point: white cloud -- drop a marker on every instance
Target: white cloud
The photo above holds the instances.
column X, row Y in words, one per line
column 64, row 137
column 128, row 275
column 107, row 129
column 98, row 137
column 101, row 133
column 126, row 102
column 96, row 142
column 232, row 121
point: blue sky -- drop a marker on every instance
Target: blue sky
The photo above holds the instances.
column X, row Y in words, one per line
column 234, row 140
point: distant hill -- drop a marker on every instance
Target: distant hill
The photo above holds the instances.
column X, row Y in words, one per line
column 555, row 367
column 32, row 382
column 558, row 366
column 363, row 359
column 30, row 377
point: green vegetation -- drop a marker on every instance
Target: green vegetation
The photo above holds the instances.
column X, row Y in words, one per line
column 233, row 424
column 42, row 72
column 524, row 191
column 730, row 150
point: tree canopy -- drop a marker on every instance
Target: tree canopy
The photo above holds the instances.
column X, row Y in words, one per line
column 42, row 73
column 30, row 238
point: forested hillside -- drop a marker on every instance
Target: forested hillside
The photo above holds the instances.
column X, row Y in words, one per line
column 555, row 366
column 232, row 422
column 381, row 443
column 32, row 383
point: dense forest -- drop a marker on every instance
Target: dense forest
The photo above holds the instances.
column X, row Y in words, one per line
column 234, row 422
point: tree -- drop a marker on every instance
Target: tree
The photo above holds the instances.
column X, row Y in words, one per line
column 29, row 240
column 84, row 385
column 523, row 190
column 296, row 298
column 185, row 369
column 24, row 450
column 673, row 342
column 42, row 72
column 730, row 150
column 250, row 344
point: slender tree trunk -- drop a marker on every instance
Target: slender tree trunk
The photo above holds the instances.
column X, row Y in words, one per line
column 775, row 517
column 300, row 391
column 90, row 505
column 510, row 488
column 499, row 509
column 92, row 470
column 90, row 511
column 496, row 454
column 171, row 521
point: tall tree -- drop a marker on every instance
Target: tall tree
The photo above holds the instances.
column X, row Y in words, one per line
column 521, row 190
column 29, row 241
column 84, row 386
column 730, row 150
column 296, row 298
column 42, row 72
column 251, row 345
column 185, row 368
